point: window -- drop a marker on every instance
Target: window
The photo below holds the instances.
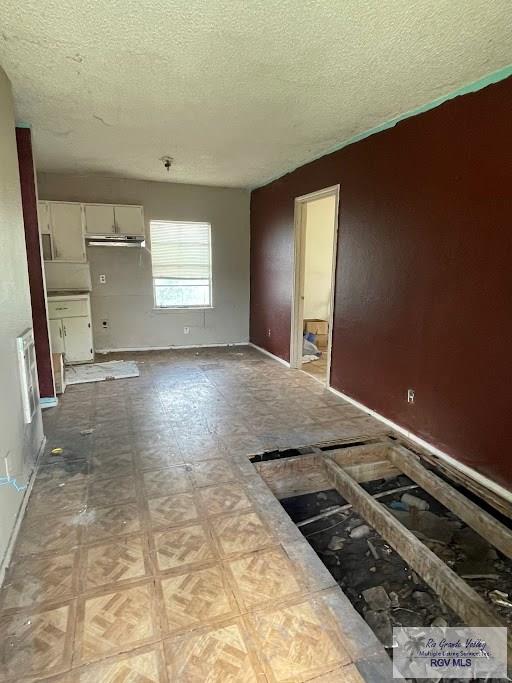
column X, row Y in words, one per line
column 181, row 263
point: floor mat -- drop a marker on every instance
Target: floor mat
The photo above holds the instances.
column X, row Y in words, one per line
column 99, row 372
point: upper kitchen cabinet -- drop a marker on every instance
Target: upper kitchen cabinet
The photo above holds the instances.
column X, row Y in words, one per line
column 108, row 219
column 60, row 225
column 43, row 217
column 67, row 233
column 129, row 220
column 99, row 219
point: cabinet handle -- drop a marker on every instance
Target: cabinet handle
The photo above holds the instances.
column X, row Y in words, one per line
column 60, row 332
column 65, row 332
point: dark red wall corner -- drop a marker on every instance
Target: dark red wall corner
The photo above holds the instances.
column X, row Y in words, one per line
column 35, row 265
column 423, row 280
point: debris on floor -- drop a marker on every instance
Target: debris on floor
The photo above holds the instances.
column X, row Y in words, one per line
column 380, row 585
column 100, row 372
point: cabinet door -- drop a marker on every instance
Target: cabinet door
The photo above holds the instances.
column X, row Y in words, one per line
column 56, row 336
column 77, row 340
column 99, row 219
column 129, row 220
column 66, row 226
column 43, row 216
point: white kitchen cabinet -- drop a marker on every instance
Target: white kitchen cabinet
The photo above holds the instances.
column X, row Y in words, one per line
column 77, row 340
column 70, row 327
column 57, row 336
column 43, row 215
column 108, row 219
column 129, row 220
column 99, row 219
column 43, row 218
column 67, row 232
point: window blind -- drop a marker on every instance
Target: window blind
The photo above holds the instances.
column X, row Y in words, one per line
column 180, row 250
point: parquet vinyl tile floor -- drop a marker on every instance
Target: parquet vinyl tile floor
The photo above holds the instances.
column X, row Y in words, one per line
column 152, row 551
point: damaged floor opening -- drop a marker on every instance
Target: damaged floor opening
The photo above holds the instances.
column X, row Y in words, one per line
column 406, row 547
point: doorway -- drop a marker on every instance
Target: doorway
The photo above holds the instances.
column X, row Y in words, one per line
column 316, row 231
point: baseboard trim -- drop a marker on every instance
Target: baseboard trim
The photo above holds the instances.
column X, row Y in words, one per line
column 450, row 460
column 4, row 563
column 170, row 348
column 271, row 355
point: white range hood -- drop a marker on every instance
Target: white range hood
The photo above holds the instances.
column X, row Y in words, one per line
column 115, row 240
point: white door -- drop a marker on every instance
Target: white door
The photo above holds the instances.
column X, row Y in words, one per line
column 56, row 336
column 99, row 219
column 77, row 340
column 129, row 220
column 66, row 225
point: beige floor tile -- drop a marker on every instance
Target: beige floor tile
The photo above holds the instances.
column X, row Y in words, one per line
column 157, row 458
column 182, row 546
column 104, row 466
column 118, row 560
column 172, row 510
column 297, row 642
column 111, row 521
column 47, row 533
column 118, row 621
column 146, row 667
column 36, row 643
column 166, row 481
column 206, row 530
column 65, row 498
column 34, row 581
column 214, row 471
column 105, row 492
column 217, row 655
column 52, row 477
column 197, row 597
column 264, row 576
column 241, row 533
column 224, row 498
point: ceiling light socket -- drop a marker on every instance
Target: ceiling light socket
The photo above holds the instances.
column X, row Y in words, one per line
column 167, row 162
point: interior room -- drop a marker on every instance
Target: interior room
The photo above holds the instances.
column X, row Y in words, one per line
column 320, row 221
column 255, row 341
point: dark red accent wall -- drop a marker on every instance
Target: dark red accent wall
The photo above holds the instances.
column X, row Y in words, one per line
column 424, row 273
column 35, row 266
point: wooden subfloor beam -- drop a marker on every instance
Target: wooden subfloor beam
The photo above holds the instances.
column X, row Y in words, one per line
column 496, row 533
column 450, row 588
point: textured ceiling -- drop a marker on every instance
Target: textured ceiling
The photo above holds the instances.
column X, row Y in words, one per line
column 237, row 91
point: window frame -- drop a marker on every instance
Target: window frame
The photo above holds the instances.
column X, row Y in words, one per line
column 195, row 307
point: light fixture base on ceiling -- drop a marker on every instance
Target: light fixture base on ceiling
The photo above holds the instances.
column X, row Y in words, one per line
column 167, row 161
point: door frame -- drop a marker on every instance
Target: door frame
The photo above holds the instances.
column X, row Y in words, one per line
column 296, row 333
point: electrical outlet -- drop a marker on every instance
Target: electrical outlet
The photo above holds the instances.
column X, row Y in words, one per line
column 186, row 330
column 105, row 324
column 268, row 332
column 410, row 395
column 103, row 279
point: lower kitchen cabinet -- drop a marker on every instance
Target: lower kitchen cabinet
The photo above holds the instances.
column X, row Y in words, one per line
column 70, row 327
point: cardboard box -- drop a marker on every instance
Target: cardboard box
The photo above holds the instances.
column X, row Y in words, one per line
column 322, row 341
column 316, row 326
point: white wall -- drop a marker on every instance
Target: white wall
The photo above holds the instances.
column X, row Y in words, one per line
column 21, row 443
column 318, row 257
column 126, row 301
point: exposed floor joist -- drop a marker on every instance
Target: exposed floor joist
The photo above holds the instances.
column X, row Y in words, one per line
column 480, row 521
column 451, row 589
